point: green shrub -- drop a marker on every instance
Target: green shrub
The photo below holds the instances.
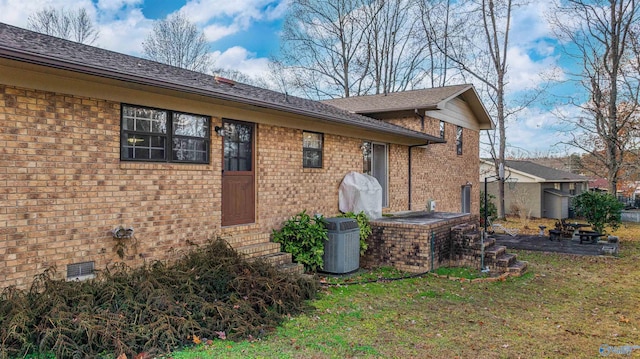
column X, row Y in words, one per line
column 492, row 210
column 365, row 228
column 599, row 209
column 303, row 236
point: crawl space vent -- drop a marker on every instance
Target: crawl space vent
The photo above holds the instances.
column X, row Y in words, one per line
column 80, row 271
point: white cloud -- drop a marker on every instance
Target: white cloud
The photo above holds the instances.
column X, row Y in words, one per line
column 541, row 131
column 242, row 11
column 121, row 23
column 216, row 32
column 529, row 23
column 277, row 11
column 224, row 18
column 126, row 33
column 524, row 73
column 16, row 12
column 116, row 5
column 238, row 58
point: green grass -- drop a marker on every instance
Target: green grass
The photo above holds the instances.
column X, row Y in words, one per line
column 565, row 306
column 460, row 272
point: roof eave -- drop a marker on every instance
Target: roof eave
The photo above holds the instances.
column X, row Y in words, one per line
column 395, row 109
column 40, row 60
column 484, row 119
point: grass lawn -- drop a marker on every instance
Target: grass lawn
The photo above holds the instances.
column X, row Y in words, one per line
column 565, row 306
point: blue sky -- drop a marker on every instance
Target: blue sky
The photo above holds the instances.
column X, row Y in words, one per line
column 244, row 33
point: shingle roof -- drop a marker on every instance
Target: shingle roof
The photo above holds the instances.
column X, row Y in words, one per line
column 544, row 172
column 31, row 47
column 424, row 99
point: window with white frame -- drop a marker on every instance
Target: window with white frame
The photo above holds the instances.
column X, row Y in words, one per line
column 312, row 149
column 459, row 140
column 150, row 134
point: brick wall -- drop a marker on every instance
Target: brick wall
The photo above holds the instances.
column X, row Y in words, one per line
column 285, row 188
column 63, row 187
column 438, row 172
column 407, row 246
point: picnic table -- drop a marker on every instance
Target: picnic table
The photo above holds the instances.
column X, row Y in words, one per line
column 589, row 236
column 576, row 228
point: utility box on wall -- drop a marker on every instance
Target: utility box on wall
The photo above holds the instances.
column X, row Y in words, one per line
column 342, row 250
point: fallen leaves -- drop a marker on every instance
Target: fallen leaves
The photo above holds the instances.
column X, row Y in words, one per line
column 196, row 340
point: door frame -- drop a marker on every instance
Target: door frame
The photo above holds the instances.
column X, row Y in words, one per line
column 251, row 217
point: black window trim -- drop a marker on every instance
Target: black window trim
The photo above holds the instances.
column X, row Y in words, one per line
column 321, row 150
column 168, row 155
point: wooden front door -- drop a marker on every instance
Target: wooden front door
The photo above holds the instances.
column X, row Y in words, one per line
column 238, row 175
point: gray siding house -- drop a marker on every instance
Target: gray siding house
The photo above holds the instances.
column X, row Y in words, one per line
column 535, row 190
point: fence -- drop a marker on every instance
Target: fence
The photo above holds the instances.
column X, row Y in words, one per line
column 629, row 202
column 630, row 216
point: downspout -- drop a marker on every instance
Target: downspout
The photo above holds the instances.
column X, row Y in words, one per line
column 410, row 147
column 421, row 119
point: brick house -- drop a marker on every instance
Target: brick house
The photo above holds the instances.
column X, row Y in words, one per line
column 92, row 140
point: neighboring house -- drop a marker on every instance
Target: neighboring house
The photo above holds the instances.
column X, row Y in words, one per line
column 92, row 140
column 599, row 184
column 535, row 190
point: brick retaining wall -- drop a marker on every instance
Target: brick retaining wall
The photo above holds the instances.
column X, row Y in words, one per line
column 407, row 246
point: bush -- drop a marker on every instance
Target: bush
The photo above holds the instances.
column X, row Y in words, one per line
column 303, row 236
column 365, row 228
column 599, row 209
column 210, row 293
column 492, row 210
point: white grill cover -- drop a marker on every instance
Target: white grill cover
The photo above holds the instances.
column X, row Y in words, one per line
column 360, row 193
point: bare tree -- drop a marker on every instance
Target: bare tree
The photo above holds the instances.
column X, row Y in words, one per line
column 75, row 25
column 481, row 52
column 441, row 30
column 348, row 48
column 178, row 42
column 603, row 36
column 397, row 52
column 321, row 45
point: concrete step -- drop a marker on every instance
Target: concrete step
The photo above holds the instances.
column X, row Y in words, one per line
column 473, row 237
column 518, row 268
column 488, row 242
column 245, row 239
column 259, row 246
column 505, row 260
column 260, row 249
column 277, row 259
column 291, row 268
column 493, row 252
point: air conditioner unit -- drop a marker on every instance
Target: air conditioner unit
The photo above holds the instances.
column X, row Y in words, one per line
column 342, row 250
